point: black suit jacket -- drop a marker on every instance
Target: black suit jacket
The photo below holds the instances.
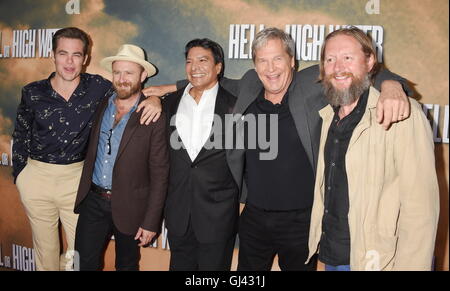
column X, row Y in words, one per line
column 202, row 192
column 140, row 174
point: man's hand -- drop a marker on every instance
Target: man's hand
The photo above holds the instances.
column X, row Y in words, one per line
column 393, row 104
column 144, row 236
column 160, row 90
column 152, row 110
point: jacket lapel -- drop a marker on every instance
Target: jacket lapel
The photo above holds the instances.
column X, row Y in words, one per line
column 131, row 126
column 366, row 120
column 171, row 111
column 220, row 109
column 97, row 124
column 299, row 108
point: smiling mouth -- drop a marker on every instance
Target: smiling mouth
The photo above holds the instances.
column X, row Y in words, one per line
column 342, row 76
column 273, row 77
column 197, row 75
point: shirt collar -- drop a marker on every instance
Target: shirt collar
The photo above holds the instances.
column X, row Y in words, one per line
column 113, row 97
column 207, row 94
column 83, row 85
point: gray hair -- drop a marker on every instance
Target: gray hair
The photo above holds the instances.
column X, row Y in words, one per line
column 273, row 33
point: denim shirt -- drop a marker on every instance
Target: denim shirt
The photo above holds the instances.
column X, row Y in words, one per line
column 108, row 144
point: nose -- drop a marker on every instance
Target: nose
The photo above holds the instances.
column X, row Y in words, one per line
column 270, row 66
column 339, row 66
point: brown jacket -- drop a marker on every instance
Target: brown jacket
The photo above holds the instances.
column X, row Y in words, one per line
column 393, row 192
column 140, row 175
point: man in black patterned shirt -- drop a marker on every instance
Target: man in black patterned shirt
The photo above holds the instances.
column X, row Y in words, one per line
column 51, row 133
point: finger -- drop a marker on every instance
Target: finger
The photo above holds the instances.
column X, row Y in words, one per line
column 395, row 112
column 145, row 116
column 387, row 117
column 401, row 110
column 380, row 112
column 138, row 235
column 156, row 116
column 406, row 110
column 139, row 107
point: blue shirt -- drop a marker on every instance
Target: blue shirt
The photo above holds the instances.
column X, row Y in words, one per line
column 52, row 130
column 108, row 144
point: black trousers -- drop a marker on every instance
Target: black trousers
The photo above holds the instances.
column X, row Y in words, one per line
column 263, row 234
column 94, row 229
column 188, row 254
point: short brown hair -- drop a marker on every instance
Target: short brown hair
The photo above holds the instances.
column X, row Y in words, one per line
column 365, row 41
column 273, row 33
column 74, row 33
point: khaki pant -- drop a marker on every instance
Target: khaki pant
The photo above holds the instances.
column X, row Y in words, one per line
column 48, row 194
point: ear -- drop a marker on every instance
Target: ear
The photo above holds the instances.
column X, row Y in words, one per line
column 85, row 60
column 218, row 68
column 143, row 76
column 370, row 62
column 292, row 62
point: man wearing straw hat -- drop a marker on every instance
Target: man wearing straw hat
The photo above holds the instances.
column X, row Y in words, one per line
column 124, row 180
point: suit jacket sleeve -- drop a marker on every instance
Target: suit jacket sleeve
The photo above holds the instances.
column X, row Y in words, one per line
column 159, row 174
column 384, row 74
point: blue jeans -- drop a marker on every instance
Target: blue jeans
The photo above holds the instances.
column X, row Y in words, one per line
column 337, row 268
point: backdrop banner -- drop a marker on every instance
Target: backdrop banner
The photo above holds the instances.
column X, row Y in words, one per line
column 411, row 37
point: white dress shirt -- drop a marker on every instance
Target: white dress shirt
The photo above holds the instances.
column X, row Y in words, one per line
column 194, row 121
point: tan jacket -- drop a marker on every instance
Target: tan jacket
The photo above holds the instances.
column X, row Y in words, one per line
column 393, row 192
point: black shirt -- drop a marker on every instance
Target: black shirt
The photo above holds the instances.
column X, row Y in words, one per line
column 286, row 182
column 335, row 240
column 50, row 129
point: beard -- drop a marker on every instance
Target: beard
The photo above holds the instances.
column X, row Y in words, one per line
column 337, row 97
column 126, row 89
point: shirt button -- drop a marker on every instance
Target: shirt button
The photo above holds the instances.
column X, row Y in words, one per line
column 65, row 141
column 104, row 177
column 67, row 123
column 106, row 161
column 329, row 188
column 336, row 141
column 333, row 164
column 326, row 210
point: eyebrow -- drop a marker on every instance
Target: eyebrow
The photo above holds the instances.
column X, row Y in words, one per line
column 64, row 51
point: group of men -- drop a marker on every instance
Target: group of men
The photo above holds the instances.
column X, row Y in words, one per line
column 335, row 177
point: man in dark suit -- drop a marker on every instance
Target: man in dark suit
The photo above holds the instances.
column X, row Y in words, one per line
column 202, row 206
column 124, row 181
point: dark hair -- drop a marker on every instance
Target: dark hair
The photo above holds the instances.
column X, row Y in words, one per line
column 213, row 46
column 74, row 33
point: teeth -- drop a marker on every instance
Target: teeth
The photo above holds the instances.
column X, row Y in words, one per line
column 198, row 75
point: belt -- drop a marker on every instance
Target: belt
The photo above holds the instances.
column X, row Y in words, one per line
column 105, row 193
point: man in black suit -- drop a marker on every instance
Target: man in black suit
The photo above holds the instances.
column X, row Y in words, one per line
column 202, row 205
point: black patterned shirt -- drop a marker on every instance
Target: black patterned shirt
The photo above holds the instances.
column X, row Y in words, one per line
column 52, row 130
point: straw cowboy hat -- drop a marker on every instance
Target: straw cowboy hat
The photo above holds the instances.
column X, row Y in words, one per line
column 131, row 53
